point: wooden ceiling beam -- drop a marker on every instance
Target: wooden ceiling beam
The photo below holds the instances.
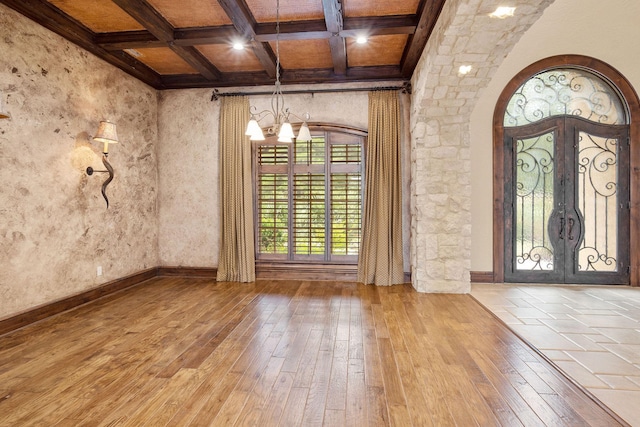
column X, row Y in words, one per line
column 245, row 24
column 297, row 30
column 334, row 22
column 324, row 75
column 428, row 14
column 379, row 25
column 122, row 40
column 50, row 17
column 155, row 23
column 206, row 35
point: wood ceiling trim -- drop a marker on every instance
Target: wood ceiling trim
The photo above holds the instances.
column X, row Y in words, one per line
column 157, row 25
column 317, row 29
column 380, row 26
column 128, row 40
column 333, row 19
column 307, row 76
column 428, row 14
column 243, row 21
column 206, row 35
column 300, row 30
column 53, row 19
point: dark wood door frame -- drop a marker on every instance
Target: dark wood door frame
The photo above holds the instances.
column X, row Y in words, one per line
column 632, row 101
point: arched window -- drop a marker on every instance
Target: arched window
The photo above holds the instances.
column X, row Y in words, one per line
column 308, row 196
column 562, row 161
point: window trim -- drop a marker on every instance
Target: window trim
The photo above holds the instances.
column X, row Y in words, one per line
column 271, row 139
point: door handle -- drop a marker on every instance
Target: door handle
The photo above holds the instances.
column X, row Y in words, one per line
column 570, row 231
column 561, row 234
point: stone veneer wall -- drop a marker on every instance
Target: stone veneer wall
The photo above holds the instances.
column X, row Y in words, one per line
column 441, row 106
column 55, row 228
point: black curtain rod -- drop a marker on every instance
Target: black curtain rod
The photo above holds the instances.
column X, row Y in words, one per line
column 405, row 88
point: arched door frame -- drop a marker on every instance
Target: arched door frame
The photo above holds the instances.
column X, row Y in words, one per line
column 629, row 95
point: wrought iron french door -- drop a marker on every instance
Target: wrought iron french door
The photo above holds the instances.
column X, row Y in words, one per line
column 566, row 202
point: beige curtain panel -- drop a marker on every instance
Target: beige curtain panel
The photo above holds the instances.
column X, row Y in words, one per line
column 237, row 254
column 380, row 260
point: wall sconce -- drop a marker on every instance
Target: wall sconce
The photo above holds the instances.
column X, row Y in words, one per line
column 108, row 135
column 3, row 114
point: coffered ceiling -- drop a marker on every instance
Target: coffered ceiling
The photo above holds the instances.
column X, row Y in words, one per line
column 189, row 43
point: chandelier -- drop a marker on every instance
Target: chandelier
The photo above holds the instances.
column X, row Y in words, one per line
column 280, row 114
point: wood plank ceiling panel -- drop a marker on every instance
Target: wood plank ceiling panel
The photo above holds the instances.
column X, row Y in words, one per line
column 379, row 50
column 229, row 60
column 354, row 8
column 191, row 14
column 164, row 61
column 290, row 10
column 304, row 54
column 100, row 16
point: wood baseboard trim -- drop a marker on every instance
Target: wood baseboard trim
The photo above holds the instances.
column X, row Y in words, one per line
column 322, row 272
column 42, row 312
column 482, row 277
column 201, row 272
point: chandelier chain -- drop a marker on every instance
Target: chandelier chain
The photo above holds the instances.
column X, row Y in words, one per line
column 278, row 41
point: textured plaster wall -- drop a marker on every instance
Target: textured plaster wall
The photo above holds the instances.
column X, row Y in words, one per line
column 442, row 103
column 54, row 226
column 188, row 203
column 188, row 163
column 608, row 31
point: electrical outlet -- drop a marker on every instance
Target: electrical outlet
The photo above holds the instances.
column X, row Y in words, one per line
column 99, row 271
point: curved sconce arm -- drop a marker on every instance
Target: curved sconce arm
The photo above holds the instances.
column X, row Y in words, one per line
column 109, row 170
column 106, row 134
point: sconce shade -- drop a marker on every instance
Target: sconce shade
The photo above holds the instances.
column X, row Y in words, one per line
column 106, row 133
column 304, row 134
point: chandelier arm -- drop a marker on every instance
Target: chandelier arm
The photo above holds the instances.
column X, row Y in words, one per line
column 297, row 117
column 261, row 114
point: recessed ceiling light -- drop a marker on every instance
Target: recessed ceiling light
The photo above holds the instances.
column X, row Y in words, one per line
column 361, row 40
column 238, row 46
column 503, row 12
column 464, row 69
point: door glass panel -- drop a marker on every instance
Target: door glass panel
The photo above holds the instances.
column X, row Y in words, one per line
column 597, row 202
column 534, row 202
column 560, row 92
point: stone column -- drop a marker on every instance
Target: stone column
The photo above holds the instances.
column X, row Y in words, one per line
column 442, row 102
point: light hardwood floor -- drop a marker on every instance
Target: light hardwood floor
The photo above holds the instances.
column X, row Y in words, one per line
column 175, row 351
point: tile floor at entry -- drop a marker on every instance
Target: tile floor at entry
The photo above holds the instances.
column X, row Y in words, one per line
column 592, row 333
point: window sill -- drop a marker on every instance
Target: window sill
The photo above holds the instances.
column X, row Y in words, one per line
column 306, row 271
